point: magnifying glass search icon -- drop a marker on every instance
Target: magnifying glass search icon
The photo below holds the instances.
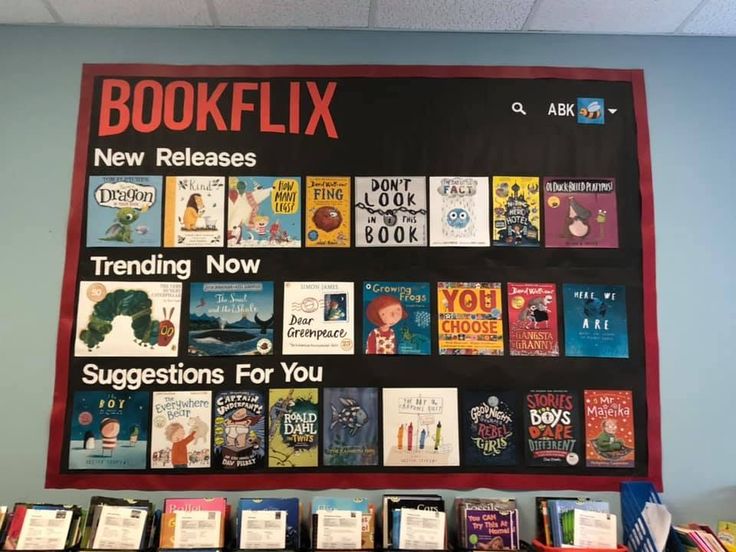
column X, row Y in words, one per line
column 518, row 107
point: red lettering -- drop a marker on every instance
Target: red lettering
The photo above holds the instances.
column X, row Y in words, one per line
column 157, row 102
column 187, row 105
column 321, row 109
column 115, row 93
column 239, row 105
column 266, row 124
column 294, row 91
column 207, row 106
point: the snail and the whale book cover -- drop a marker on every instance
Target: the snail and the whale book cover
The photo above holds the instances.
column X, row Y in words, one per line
column 350, row 432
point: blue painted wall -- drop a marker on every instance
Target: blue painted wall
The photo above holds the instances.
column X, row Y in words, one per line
column 691, row 85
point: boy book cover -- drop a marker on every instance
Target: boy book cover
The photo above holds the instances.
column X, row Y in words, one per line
column 516, row 211
column 239, row 430
column 609, row 429
column 396, row 318
column 350, row 417
column 595, row 321
column 328, row 206
column 580, row 212
column 288, row 505
column 420, row 427
column 264, row 211
column 293, row 427
column 109, row 430
column 181, row 429
column 133, row 319
column 490, row 423
column 459, row 211
column 230, row 318
column 533, row 319
column 318, row 318
column 391, row 211
column 552, row 428
column 195, row 209
column 124, row 211
column 470, row 318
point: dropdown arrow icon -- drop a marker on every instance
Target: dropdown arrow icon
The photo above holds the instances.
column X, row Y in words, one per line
column 612, row 110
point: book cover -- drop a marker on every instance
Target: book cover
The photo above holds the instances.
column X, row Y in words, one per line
column 174, row 505
column 293, row 427
column 609, row 428
column 133, row 319
column 533, row 319
column 181, row 429
column 459, row 211
column 552, row 428
column 109, row 430
column 350, row 417
column 561, row 516
column 195, row 211
column 318, row 318
column 580, row 212
column 346, row 504
column 230, row 318
column 95, row 508
column 490, row 422
column 595, row 321
column 492, row 529
column 420, row 427
column 124, row 211
column 239, row 430
column 391, row 211
column 288, row 505
column 516, row 211
column 264, row 211
column 328, row 206
column 396, row 318
column 470, row 318
column 393, row 504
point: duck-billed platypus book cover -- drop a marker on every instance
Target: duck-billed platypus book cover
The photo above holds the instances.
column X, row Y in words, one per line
column 351, row 421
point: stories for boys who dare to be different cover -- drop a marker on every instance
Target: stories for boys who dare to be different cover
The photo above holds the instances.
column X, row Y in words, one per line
column 351, row 425
column 396, row 318
column 293, row 427
column 470, row 318
column 552, row 419
column 609, row 428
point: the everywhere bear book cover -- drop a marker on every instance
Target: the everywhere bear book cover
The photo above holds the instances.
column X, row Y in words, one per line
column 533, row 319
column 459, row 211
column 134, row 319
column 580, row 212
column 230, row 318
column 490, row 422
column 396, row 318
column 351, row 421
column 391, row 211
column 470, row 318
column 124, row 211
column 293, row 428
column 239, row 430
column 195, row 209
column 264, row 211
column 327, row 211
column 609, row 428
column 109, row 430
column 595, row 321
column 516, row 212
column 180, row 429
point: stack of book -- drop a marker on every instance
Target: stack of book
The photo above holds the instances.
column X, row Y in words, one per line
column 345, row 523
column 487, row 523
column 696, row 537
column 44, row 527
column 272, row 523
column 414, row 522
column 118, row 523
column 575, row 522
column 194, row 523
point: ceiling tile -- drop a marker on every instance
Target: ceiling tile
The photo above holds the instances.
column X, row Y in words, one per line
column 717, row 17
column 293, row 13
column 451, row 15
column 611, row 16
column 24, row 11
column 139, row 13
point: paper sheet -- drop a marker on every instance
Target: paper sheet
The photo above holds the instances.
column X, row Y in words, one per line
column 263, row 529
column 120, row 527
column 422, row 530
column 199, row 529
column 594, row 529
column 339, row 529
column 44, row 529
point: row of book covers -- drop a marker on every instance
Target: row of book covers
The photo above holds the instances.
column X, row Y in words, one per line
column 288, row 428
column 408, row 522
column 238, row 318
column 190, row 211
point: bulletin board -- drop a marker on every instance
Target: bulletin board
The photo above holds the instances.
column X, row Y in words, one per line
column 358, row 276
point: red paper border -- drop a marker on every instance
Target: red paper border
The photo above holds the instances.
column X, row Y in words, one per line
column 158, row 482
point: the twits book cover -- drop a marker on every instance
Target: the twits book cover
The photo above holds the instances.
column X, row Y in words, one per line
column 595, row 321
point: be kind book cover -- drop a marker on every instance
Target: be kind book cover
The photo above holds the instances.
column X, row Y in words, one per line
column 516, row 212
column 533, row 319
column 420, row 427
column 230, row 318
column 195, row 209
column 133, row 319
column 459, row 211
column 124, row 211
column 470, row 318
column 328, row 207
column 396, row 318
column 109, row 430
column 609, row 428
column 580, row 212
column 351, row 423
column 595, row 321
column 490, row 422
column 264, row 211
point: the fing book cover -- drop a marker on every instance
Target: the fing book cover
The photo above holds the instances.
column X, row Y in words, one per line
column 124, row 211
column 516, row 212
column 595, row 321
column 239, row 430
column 293, row 427
column 470, row 318
column 328, row 207
column 195, row 211
column 490, row 423
column 533, row 319
column 609, row 428
column 396, row 318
